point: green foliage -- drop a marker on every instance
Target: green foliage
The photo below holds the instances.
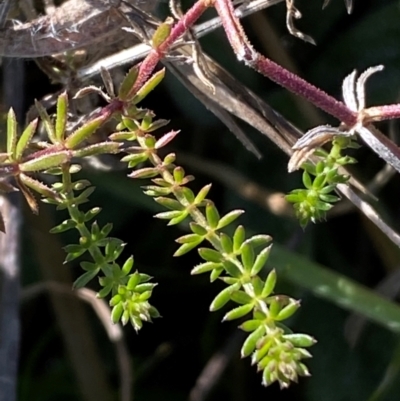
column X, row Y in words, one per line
column 320, row 180
column 236, row 260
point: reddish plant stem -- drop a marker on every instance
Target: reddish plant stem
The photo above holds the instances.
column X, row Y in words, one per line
column 180, row 28
column 275, row 72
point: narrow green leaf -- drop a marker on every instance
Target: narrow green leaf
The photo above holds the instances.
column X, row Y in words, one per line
column 202, row 194
column 178, row 219
column 260, row 261
column 270, row 283
column 238, row 312
column 45, row 161
column 205, row 267
column 258, row 240
column 127, row 83
column 307, row 181
column 61, row 118
column 116, row 313
column 241, row 297
column 149, row 86
column 161, row 33
column 198, row 229
column 48, row 125
column 169, row 203
column 238, row 238
column 25, row 139
column 223, row 297
column 133, row 281
column 11, row 134
column 127, row 267
column 251, row 341
column 229, row 218
column 97, row 149
column 187, row 247
column 300, row 340
column 146, row 172
column 226, row 243
column 85, row 278
column 179, row 174
column 64, row 226
column 232, row 269
column 262, row 350
column 210, row 255
column 168, row 215
column 84, row 132
column 250, row 325
column 247, row 256
column 212, row 215
column 189, row 238
column 288, row 311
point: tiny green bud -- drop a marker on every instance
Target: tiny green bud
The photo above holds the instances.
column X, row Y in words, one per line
column 133, row 281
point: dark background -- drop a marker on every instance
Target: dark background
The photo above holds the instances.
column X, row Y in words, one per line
column 168, row 356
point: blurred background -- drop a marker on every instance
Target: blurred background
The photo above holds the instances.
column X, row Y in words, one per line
column 61, row 335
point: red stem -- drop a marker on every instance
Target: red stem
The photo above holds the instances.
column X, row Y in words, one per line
column 245, row 52
column 180, row 28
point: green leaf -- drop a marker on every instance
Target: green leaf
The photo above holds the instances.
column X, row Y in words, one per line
column 169, row 203
column 84, row 132
column 205, row 267
column 258, row 240
column 61, row 118
column 223, row 297
column 241, row 297
column 46, row 122
column 128, row 83
column 198, row 229
column 238, row 238
column 64, row 226
column 210, row 255
column 187, row 247
column 133, row 281
column 169, row 215
column 202, row 194
column 11, row 134
column 127, row 267
column 307, row 181
column 149, row 86
column 250, row 325
column 161, row 34
column 45, row 161
column 97, row 149
column 270, row 283
column 300, row 340
column 247, row 256
column 288, row 311
column 229, row 218
column 25, row 139
column 226, row 243
column 251, row 341
column 238, row 312
column 116, row 313
column 85, row 278
column 212, row 215
column 232, row 269
column 260, row 261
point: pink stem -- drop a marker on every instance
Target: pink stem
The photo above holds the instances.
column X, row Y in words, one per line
column 150, row 62
column 245, row 52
